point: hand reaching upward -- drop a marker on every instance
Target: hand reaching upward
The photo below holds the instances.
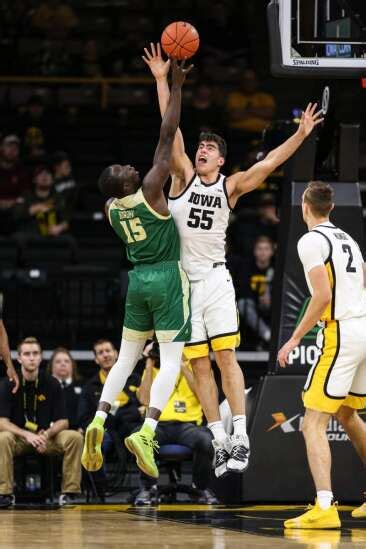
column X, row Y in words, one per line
column 309, row 120
column 156, row 63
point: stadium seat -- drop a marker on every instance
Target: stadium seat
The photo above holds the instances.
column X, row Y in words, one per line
column 171, row 456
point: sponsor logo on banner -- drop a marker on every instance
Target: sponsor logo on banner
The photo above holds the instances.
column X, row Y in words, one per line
column 313, row 62
column 335, row 431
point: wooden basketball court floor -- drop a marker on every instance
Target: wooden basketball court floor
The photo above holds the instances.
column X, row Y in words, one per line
column 165, row 526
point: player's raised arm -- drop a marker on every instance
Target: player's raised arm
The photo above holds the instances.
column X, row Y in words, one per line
column 156, row 178
column 181, row 166
column 243, row 182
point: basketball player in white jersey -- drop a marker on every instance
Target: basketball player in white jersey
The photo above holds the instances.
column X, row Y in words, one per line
column 336, row 385
column 200, row 200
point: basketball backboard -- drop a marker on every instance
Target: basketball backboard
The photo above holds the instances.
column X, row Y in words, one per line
column 321, row 38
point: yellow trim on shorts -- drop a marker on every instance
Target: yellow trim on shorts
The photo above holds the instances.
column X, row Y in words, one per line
column 315, row 396
column 355, row 402
column 199, row 350
column 166, row 336
column 225, row 341
column 134, row 335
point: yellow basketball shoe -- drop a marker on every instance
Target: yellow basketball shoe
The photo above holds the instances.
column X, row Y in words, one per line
column 92, row 457
column 360, row 512
column 316, row 518
column 143, row 445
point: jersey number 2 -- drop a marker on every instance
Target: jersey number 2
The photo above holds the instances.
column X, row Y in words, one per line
column 347, row 250
column 200, row 218
column 133, row 230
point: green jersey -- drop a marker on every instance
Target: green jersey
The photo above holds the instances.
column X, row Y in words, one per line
column 149, row 236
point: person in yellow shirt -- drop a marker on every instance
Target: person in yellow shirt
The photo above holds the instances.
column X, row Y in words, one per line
column 249, row 108
column 180, row 423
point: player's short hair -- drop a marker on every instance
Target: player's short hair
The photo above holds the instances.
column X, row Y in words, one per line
column 109, row 181
column 221, row 143
column 100, row 342
column 29, row 340
column 319, row 196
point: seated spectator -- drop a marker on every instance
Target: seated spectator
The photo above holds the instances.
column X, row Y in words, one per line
column 179, row 423
column 63, row 367
column 248, row 225
column 64, row 182
column 34, row 420
column 249, row 108
column 55, row 18
column 124, row 416
column 41, row 211
column 14, row 180
column 255, row 306
column 204, row 114
column 33, row 129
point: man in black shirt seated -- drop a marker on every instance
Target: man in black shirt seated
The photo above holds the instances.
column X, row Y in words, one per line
column 34, row 419
column 63, row 367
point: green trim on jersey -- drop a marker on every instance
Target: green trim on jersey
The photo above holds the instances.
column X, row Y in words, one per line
column 149, row 236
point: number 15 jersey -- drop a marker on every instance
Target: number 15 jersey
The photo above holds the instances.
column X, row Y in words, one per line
column 328, row 245
column 149, row 237
column 201, row 213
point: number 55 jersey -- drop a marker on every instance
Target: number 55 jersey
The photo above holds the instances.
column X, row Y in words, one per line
column 202, row 213
column 158, row 296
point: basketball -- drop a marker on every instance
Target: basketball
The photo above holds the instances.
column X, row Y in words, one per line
column 180, row 40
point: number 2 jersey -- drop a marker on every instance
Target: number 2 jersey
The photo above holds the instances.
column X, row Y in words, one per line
column 201, row 213
column 149, row 236
column 328, row 245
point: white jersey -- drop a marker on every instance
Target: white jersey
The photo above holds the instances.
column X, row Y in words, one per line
column 201, row 213
column 328, row 245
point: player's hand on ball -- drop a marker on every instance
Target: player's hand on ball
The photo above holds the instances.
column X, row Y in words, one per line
column 287, row 348
column 156, row 63
column 179, row 72
column 310, row 119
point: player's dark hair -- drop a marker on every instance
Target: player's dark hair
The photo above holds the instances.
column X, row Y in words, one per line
column 210, row 136
column 319, row 196
column 109, row 181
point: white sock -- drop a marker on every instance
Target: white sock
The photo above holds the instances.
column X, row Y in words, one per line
column 324, row 498
column 240, row 425
column 152, row 423
column 129, row 354
column 163, row 384
column 101, row 414
column 218, row 431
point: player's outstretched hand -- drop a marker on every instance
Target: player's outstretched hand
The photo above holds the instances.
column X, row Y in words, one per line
column 156, row 63
column 310, row 119
column 179, row 73
column 287, row 348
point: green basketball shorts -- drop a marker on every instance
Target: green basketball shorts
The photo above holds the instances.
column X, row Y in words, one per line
column 158, row 300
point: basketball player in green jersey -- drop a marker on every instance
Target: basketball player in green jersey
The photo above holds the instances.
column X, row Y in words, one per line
column 158, row 291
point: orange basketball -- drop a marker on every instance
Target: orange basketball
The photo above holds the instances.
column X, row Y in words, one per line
column 180, row 40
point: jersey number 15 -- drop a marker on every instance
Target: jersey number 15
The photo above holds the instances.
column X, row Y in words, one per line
column 133, row 230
